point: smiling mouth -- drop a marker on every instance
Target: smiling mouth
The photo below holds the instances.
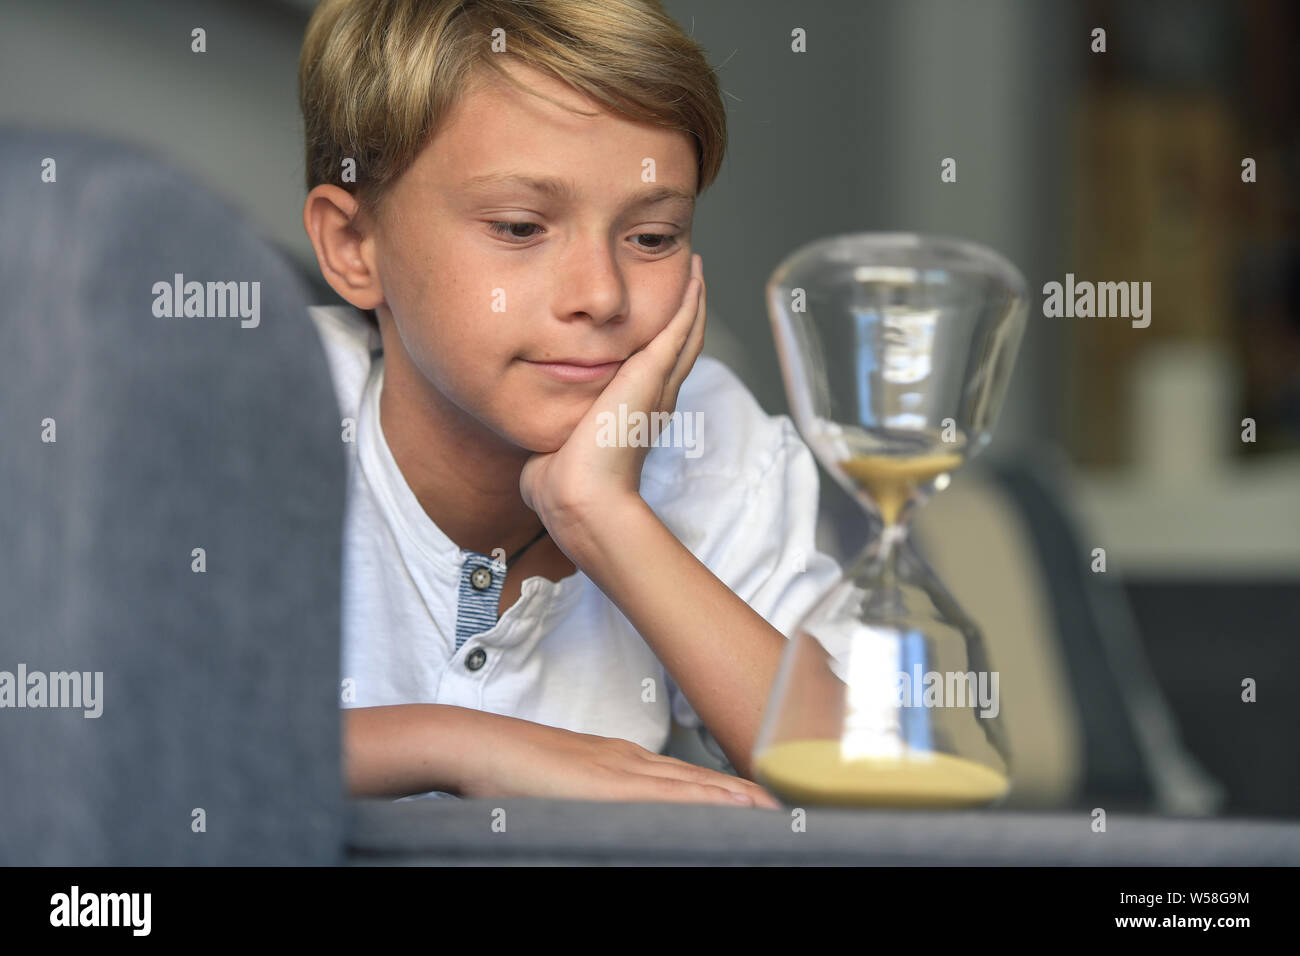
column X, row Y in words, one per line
column 577, row 370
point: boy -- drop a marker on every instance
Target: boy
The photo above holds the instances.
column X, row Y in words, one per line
column 504, row 192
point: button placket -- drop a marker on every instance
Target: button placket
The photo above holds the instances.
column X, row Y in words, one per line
column 478, row 600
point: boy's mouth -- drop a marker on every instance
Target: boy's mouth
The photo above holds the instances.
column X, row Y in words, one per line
column 577, row 369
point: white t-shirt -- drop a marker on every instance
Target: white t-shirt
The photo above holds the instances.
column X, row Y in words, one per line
column 563, row 655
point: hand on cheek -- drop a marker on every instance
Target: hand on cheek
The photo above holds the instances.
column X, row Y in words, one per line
column 598, row 469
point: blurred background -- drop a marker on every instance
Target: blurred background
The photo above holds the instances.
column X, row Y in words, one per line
column 1123, row 165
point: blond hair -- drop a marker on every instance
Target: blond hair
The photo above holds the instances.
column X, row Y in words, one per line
column 376, row 77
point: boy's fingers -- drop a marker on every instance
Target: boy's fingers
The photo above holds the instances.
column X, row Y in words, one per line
column 676, row 790
column 690, row 348
column 659, row 765
column 668, row 344
column 666, row 348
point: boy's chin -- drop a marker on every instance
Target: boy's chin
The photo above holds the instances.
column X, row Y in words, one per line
column 547, row 432
column 541, row 438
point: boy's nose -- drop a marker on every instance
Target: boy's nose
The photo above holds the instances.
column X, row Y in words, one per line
column 592, row 285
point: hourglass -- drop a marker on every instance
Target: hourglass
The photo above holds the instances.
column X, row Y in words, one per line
column 896, row 351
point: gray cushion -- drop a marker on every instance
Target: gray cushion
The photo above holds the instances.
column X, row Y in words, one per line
column 219, row 688
column 461, row 832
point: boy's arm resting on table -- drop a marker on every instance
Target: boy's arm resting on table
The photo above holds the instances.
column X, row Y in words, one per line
column 410, row 748
column 401, row 749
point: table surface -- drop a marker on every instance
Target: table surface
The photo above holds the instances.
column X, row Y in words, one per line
column 579, row 832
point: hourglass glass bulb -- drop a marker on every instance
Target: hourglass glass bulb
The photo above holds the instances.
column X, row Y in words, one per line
column 896, row 350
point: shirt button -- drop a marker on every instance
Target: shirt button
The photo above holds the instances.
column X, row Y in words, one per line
column 481, row 579
column 476, row 659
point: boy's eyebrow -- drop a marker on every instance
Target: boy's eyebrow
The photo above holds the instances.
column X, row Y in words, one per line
column 564, row 191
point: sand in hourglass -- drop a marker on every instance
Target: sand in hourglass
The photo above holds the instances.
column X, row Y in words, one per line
column 818, row 770
column 891, row 479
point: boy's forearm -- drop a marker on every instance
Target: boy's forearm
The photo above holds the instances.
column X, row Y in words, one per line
column 721, row 653
column 402, row 749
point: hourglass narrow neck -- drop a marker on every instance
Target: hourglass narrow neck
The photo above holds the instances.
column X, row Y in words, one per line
column 891, row 481
column 892, row 535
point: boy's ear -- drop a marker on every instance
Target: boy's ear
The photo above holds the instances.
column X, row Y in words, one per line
column 344, row 244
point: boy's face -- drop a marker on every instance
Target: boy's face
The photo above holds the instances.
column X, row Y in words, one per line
column 589, row 276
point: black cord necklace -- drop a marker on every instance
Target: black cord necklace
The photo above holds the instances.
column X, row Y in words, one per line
column 511, row 560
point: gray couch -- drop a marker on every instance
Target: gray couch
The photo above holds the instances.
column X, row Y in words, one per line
column 218, row 739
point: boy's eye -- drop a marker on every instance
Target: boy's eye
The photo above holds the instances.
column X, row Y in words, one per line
column 668, row 240
column 657, row 240
column 505, row 228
